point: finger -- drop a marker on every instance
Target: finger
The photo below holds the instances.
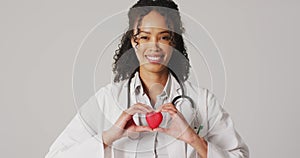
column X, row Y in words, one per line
column 174, row 114
column 126, row 117
column 143, row 107
column 146, row 106
column 123, row 119
column 169, row 109
column 139, row 108
column 163, row 130
column 143, row 129
column 129, row 124
column 128, row 113
column 171, row 112
column 135, row 111
column 164, row 106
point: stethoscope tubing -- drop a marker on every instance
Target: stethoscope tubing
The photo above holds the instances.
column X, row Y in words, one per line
column 174, row 100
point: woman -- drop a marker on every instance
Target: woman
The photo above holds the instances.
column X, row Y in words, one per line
column 151, row 68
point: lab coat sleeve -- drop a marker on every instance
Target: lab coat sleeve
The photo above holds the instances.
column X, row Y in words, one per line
column 222, row 138
column 83, row 136
column 76, row 142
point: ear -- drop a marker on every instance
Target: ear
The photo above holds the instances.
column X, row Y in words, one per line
column 132, row 42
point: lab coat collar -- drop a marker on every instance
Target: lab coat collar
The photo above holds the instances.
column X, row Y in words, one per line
column 136, row 85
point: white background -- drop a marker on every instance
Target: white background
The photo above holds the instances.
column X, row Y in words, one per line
column 259, row 42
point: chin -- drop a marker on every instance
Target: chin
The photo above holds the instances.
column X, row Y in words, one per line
column 154, row 68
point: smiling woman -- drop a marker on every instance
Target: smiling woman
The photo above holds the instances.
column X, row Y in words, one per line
column 153, row 49
column 151, row 67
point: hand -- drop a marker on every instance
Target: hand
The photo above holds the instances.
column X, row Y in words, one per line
column 125, row 125
column 178, row 128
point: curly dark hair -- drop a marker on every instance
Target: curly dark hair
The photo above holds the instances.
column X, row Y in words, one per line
column 125, row 59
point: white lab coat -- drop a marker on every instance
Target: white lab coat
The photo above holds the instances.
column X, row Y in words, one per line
column 82, row 137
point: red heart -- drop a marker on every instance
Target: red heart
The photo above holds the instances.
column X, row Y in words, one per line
column 154, row 119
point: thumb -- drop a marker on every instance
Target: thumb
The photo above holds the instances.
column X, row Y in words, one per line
column 163, row 130
column 143, row 129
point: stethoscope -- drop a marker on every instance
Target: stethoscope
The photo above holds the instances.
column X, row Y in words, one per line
column 175, row 99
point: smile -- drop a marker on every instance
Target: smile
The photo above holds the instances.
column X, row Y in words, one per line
column 154, row 58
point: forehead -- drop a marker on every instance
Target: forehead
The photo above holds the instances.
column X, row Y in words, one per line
column 153, row 21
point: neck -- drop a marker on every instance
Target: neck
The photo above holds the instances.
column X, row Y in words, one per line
column 150, row 79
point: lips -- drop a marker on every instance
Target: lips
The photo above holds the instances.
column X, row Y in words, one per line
column 154, row 58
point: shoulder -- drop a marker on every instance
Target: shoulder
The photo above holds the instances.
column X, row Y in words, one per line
column 112, row 94
column 204, row 95
column 192, row 88
column 112, row 88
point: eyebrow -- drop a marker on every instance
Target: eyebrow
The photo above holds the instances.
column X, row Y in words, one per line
column 158, row 33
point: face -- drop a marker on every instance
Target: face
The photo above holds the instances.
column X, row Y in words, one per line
column 153, row 50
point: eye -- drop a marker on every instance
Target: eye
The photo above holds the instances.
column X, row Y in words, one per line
column 144, row 37
column 167, row 37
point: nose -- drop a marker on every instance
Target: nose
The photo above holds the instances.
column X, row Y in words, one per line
column 154, row 44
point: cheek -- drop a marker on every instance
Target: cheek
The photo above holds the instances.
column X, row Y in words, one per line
column 168, row 50
column 169, row 53
column 139, row 53
column 141, row 49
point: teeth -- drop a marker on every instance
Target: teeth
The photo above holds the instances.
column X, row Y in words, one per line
column 153, row 58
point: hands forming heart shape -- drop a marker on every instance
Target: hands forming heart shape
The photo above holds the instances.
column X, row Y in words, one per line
column 154, row 119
